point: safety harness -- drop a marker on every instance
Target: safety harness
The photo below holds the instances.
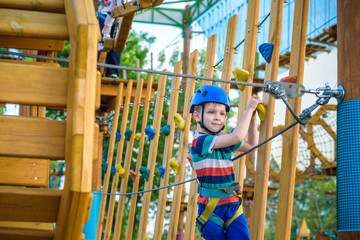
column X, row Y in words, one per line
column 215, row 195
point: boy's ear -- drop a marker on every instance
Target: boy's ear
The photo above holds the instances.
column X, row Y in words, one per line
column 196, row 115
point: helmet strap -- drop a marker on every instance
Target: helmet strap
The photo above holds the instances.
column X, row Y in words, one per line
column 202, row 125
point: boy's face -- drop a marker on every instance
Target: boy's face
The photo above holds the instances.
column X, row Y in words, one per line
column 214, row 116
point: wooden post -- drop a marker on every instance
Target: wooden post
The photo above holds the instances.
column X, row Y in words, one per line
column 109, row 159
column 152, row 156
column 290, row 138
column 348, row 33
column 168, row 149
column 266, row 127
column 130, row 223
column 248, row 65
column 191, row 210
column 120, row 149
column 229, row 52
column 183, row 148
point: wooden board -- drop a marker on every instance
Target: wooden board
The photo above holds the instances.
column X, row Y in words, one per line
column 33, row 24
column 33, row 85
column 38, row 5
column 24, row 171
column 32, row 137
column 123, row 32
column 29, row 204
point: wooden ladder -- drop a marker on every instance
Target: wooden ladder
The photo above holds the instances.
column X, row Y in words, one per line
column 27, row 144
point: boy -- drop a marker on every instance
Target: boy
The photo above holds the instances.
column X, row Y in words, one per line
column 220, row 214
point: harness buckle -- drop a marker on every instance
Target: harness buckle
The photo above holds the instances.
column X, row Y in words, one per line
column 200, row 223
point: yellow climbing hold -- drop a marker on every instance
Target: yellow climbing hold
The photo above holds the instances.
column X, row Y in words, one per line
column 261, row 111
column 120, row 170
column 179, row 121
column 174, row 165
column 138, row 136
column 240, row 75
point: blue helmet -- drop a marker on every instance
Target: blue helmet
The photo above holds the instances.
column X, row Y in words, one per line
column 209, row 93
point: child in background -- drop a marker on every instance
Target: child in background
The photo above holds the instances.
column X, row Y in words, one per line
column 108, row 27
column 220, row 214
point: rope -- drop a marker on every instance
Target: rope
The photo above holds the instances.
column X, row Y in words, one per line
column 140, row 70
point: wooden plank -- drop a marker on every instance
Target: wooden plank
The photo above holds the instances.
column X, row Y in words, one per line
column 34, row 172
column 132, row 7
column 39, row 5
column 109, row 160
column 33, row 85
column 128, row 154
column 266, row 127
column 123, row 32
column 32, row 137
column 29, row 204
column 152, row 156
column 32, row 43
column 130, row 222
column 28, row 234
column 98, row 90
column 229, row 52
column 27, row 225
column 210, row 59
column 183, row 148
column 168, row 149
column 33, row 24
column 45, row 64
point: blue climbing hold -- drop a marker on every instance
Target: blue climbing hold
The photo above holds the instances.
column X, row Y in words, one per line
column 150, row 132
column 165, row 130
column 266, row 50
column 145, row 172
column 118, row 136
column 161, row 171
column 128, row 134
column 113, row 170
column 104, row 166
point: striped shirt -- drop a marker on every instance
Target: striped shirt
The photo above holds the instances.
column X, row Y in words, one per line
column 213, row 167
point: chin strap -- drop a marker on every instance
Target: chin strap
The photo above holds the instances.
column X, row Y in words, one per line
column 202, row 125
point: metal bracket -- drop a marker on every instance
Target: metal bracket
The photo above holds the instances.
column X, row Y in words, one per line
column 279, row 89
column 325, row 93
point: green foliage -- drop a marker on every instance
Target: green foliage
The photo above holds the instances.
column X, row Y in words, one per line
column 64, row 54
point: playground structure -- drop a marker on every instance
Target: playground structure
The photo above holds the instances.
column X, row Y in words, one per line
column 79, row 141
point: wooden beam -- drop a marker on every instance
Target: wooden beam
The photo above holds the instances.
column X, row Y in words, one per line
column 130, row 222
column 183, row 148
column 123, row 32
column 33, row 24
column 29, row 204
column 31, row 85
column 291, row 138
column 28, row 234
column 40, row 5
column 34, row 172
column 168, row 149
column 266, row 127
column 32, row 43
column 32, row 137
column 133, row 6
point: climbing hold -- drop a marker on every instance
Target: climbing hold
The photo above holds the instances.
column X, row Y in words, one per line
column 138, row 136
column 132, row 175
column 104, row 166
column 289, row 79
column 118, row 136
column 266, row 50
column 240, row 75
column 120, row 170
column 165, row 130
column 113, row 170
column 174, row 165
column 150, row 132
column 145, row 172
column 128, row 133
column 179, row 121
column 161, row 171
column 261, row 111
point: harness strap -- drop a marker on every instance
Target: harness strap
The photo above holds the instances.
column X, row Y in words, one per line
column 237, row 214
column 218, row 193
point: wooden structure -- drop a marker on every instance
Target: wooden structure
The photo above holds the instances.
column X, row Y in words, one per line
column 28, row 213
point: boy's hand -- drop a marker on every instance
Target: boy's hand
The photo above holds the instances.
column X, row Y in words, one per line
column 254, row 101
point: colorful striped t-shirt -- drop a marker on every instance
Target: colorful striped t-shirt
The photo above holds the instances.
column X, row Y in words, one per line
column 214, row 168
